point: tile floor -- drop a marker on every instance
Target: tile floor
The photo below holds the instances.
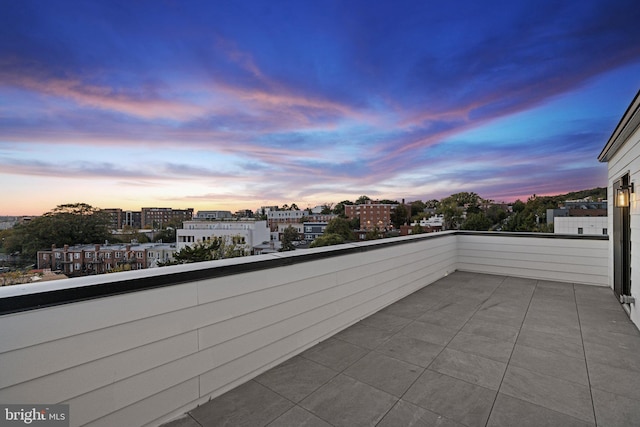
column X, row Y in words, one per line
column 469, row 350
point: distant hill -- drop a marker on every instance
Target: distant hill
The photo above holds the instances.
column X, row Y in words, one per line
column 594, row 193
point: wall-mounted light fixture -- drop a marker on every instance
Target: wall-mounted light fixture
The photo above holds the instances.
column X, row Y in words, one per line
column 623, row 196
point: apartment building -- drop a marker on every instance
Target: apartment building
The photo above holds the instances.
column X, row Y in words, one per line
column 251, row 233
column 371, row 214
column 157, row 217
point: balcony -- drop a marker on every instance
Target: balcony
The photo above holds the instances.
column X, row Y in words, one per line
column 453, row 328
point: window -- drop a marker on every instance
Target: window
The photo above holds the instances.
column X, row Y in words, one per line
column 107, row 255
column 580, row 230
column 140, row 254
column 118, row 254
column 89, row 254
column 76, row 255
column 57, row 255
column 605, row 231
column 77, row 266
column 45, row 256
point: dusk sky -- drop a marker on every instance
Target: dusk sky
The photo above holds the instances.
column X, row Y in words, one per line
column 238, row 104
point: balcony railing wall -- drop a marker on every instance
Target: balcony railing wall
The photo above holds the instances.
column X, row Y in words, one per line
column 195, row 331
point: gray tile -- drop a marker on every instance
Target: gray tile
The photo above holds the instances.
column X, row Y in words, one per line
column 498, row 315
column 567, row 345
column 296, row 378
column 183, row 421
column 470, row 367
column 491, row 330
column 386, row 373
column 455, row 399
column 408, row 309
column 509, row 411
column 552, row 304
column 429, row 332
column 385, row 321
column 550, row 363
column 616, row 341
column 549, row 327
column 406, row 414
column 613, row 410
column 619, row 325
column 411, row 350
column 482, row 346
column 563, row 317
column 615, row 380
column 446, row 318
column 364, row 336
column 298, row 417
column 618, row 356
column 553, row 393
column 345, row 401
column 250, row 404
column 334, row 354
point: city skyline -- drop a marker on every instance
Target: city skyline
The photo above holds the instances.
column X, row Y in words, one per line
column 235, row 105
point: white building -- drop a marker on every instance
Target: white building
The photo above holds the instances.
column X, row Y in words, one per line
column 434, row 221
column 581, row 225
column 252, row 233
column 622, row 155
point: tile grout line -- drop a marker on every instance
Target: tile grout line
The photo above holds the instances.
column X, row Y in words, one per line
column 586, row 362
column 511, row 354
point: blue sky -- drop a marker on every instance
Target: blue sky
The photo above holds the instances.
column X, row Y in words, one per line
column 230, row 105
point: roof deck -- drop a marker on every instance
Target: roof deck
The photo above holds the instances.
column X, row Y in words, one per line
column 468, row 350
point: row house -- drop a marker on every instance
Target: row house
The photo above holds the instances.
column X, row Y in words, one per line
column 81, row 260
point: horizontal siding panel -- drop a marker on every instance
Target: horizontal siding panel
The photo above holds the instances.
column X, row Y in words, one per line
column 80, row 379
column 158, row 404
column 65, row 353
column 28, row 328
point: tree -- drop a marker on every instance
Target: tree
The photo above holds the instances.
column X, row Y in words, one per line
column 399, row 216
column 339, row 207
column 452, row 212
column 477, row 221
column 289, row 235
column 363, row 200
column 327, row 209
column 69, row 224
column 417, row 208
column 215, row 248
column 327, row 240
column 341, row 227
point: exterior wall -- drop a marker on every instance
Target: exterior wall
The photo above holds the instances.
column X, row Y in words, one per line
column 148, row 356
column 597, row 225
column 144, row 357
column 534, row 255
column 627, row 160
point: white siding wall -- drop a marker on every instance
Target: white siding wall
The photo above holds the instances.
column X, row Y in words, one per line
column 147, row 356
column 627, row 160
column 564, row 260
column 593, row 225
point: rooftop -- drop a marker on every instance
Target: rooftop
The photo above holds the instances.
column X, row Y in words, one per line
column 468, row 350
